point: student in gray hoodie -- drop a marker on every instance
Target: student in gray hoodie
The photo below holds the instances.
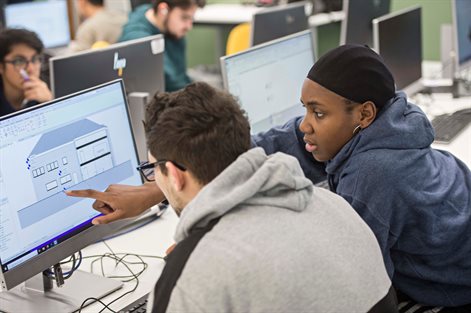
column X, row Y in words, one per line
column 254, row 234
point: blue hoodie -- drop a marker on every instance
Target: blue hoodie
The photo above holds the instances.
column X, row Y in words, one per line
column 417, row 201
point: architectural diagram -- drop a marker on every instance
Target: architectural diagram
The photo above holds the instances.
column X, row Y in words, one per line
column 69, row 155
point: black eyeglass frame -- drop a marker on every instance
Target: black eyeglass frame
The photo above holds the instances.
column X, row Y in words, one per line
column 36, row 59
column 147, row 166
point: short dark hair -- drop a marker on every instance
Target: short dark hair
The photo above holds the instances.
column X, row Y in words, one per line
column 97, row 3
column 10, row 37
column 184, row 4
column 200, row 127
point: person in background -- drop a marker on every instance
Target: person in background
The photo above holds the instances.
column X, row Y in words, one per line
column 251, row 225
column 99, row 25
column 20, row 66
column 173, row 19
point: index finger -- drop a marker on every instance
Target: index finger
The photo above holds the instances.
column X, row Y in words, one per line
column 88, row 193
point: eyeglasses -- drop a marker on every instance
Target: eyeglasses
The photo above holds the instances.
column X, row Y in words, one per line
column 21, row 63
column 147, row 169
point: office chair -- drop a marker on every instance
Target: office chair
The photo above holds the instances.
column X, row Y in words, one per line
column 239, row 39
column 100, row 44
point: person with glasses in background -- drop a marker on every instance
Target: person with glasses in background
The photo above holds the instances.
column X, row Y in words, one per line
column 20, row 66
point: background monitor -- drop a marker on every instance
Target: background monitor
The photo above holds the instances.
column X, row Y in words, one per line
column 138, row 62
column 77, row 142
column 462, row 31
column 279, row 21
column 267, row 79
column 398, row 39
column 356, row 27
column 49, row 19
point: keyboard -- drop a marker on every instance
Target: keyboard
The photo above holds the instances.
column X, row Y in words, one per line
column 448, row 126
column 138, row 306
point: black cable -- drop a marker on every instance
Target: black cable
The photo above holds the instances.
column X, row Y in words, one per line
column 75, row 265
column 119, row 258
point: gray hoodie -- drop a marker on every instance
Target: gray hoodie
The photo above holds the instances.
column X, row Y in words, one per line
column 281, row 245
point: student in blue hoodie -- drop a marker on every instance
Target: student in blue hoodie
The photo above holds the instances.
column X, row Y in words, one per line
column 376, row 147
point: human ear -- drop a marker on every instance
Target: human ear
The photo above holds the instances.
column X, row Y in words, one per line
column 368, row 112
column 163, row 8
column 177, row 179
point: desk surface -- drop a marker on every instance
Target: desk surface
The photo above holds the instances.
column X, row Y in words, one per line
column 230, row 14
column 233, row 14
column 444, row 103
column 151, row 239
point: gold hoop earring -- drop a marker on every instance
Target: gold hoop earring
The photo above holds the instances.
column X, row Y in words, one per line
column 356, row 130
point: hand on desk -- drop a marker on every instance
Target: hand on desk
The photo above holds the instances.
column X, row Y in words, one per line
column 121, row 201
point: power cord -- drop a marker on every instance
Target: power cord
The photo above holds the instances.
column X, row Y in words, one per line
column 119, row 258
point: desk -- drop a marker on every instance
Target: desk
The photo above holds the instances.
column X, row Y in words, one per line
column 233, row 14
column 225, row 16
column 151, row 239
column 438, row 104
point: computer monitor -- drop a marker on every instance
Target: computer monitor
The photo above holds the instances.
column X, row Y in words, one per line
column 398, row 39
column 80, row 141
column 49, row 19
column 140, row 63
column 267, row 79
column 356, row 27
column 279, row 21
column 462, row 31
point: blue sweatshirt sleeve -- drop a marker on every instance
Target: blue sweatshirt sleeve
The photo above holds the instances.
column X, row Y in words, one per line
column 289, row 139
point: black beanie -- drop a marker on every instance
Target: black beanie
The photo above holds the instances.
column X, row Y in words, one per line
column 356, row 73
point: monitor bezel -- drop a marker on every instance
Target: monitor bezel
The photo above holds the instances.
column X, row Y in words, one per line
column 458, row 67
column 343, row 24
column 90, row 234
column 115, row 46
column 416, row 85
column 271, row 10
column 223, row 59
column 345, row 21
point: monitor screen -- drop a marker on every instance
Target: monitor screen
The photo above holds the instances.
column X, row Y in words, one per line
column 138, row 62
column 356, row 27
column 398, row 39
column 83, row 141
column 49, row 19
column 277, row 22
column 462, row 29
column 267, row 79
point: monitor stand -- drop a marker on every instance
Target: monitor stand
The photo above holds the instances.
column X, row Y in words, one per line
column 459, row 88
column 137, row 102
column 37, row 294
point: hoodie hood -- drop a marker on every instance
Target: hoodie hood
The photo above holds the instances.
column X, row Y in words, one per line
column 400, row 125
column 254, row 179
